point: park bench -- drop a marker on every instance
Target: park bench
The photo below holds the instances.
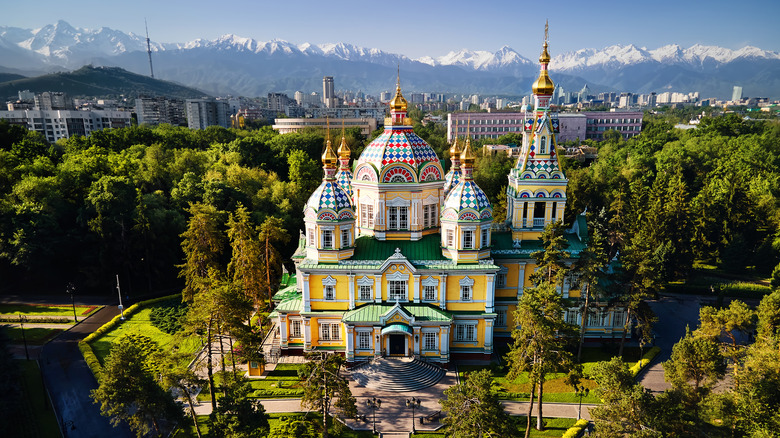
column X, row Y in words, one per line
column 431, row 418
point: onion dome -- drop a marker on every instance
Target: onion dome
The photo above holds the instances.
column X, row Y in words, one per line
column 544, row 85
column 466, row 199
column 398, row 103
column 330, row 201
column 454, row 175
column 344, row 174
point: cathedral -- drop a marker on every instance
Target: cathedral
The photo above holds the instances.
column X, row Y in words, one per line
column 400, row 259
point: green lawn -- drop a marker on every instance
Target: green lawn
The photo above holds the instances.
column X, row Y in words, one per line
column 41, row 310
column 280, row 383
column 34, row 335
column 554, row 427
column 39, row 420
column 139, row 323
column 555, row 388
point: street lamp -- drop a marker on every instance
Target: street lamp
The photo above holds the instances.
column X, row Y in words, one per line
column 581, row 392
column 374, row 404
column 413, row 403
column 70, row 289
column 118, row 291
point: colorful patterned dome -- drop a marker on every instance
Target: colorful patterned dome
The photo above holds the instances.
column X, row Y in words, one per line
column 466, row 201
column 344, row 174
column 451, row 179
column 330, row 201
column 396, row 153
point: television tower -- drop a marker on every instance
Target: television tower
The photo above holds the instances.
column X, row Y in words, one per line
column 149, row 48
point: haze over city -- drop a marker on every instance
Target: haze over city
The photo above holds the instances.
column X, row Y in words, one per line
column 418, row 29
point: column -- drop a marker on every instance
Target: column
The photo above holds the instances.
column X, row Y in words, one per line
column 443, row 291
column 445, row 343
column 520, row 279
column 351, row 278
column 378, row 288
column 561, row 205
column 522, row 213
column 306, row 334
column 283, row 338
column 416, row 288
column 488, row 336
column 377, row 340
column 306, row 293
column 510, row 214
column 416, row 339
column 350, row 343
column 490, row 292
column 547, row 212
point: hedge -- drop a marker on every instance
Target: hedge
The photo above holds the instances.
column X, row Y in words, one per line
column 86, row 349
column 39, row 320
column 576, row 430
column 644, row 361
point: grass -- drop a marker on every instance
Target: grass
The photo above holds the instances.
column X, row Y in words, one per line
column 34, row 335
column 274, row 420
column 555, row 388
column 283, row 382
column 139, row 323
column 38, row 418
column 45, row 310
column 554, row 427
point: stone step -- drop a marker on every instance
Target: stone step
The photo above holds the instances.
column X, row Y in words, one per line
column 397, row 375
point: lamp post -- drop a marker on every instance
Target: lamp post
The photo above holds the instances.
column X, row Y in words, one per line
column 413, row 403
column 118, row 291
column 24, row 338
column 374, row 404
column 581, row 392
column 70, row 289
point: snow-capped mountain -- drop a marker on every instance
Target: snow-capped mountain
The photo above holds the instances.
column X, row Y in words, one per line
column 240, row 65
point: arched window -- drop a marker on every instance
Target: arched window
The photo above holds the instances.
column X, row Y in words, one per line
column 543, row 145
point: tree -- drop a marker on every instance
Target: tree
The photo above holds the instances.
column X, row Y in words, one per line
column 295, row 427
column 176, row 375
column 237, row 415
column 202, row 245
column 696, row 359
column 540, row 340
column 325, row 386
column 272, row 234
column 473, row 409
column 245, row 268
column 589, row 268
column 128, row 391
column 728, row 322
column 550, row 264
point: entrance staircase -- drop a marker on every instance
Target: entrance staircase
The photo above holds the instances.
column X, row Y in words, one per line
column 397, row 374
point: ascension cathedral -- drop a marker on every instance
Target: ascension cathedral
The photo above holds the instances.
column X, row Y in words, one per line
column 400, row 259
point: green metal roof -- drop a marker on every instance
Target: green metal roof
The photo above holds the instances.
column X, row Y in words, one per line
column 372, row 312
column 290, row 305
column 427, row 248
column 397, row 328
column 503, row 245
column 285, row 293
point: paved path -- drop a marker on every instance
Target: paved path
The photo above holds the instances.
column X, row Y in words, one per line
column 69, row 381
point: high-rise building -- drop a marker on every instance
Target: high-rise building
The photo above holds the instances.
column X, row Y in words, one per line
column 59, row 124
column 156, row 110
column 202, row 113
column 328, row 94
column 736, row 94
column 56, row 100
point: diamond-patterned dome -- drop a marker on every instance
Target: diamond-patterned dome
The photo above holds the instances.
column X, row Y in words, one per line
column 399, row 145
column 466, row 195
column 451, row 179
column 344, row 178
column 329, row 195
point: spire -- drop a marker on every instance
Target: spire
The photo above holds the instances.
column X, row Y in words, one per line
column 467, row 157
column 544, row 85
column 455, row 149
column 328, row 157
column 398, row 103
column 343, row 150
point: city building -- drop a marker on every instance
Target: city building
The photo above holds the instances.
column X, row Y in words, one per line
column 59, row 124
column 736, row 94
column 156, row 110
column 202, row 113
column 403, row 260
column 328, row 93
column 569, row 126
column 55, row 100
column 288, row 125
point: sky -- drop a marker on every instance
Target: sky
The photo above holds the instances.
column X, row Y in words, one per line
column 426, row 27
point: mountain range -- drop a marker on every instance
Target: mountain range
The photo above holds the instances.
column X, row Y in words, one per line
column 243, row 66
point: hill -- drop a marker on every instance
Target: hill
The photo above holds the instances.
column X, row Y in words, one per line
column 5, row 77
column 96, row 81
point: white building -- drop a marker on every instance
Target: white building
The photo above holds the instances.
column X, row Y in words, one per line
column 58, row 124
column 202, row 113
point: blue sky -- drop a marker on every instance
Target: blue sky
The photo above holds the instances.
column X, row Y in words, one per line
column 427, row 27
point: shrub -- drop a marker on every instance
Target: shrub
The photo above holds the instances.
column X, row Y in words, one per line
column 92, row 361
column 644, row 361
column 576, row 430
column 168, row 316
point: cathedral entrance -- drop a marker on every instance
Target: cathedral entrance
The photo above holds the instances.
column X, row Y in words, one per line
column 397, row 345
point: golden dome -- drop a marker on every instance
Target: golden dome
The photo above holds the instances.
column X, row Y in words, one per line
column 398, row 103
column 454, row 150
column 344, row 151
column 467, row 157
column 544, row 85
column 329, row 157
